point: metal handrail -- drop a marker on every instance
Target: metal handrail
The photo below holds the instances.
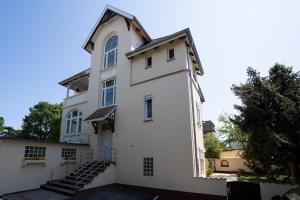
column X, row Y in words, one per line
column 90, row 173
column 81, row 155
column 60, row 165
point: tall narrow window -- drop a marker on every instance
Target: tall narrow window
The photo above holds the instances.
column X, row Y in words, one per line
column 148, row 62
column 73, row 122
column 171, row 54
column 111, row 52
column 198, row 114
column 109, row 93
column 148, row 108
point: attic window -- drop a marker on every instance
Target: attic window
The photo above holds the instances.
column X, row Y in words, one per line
column 148, row 62
column 171, row 54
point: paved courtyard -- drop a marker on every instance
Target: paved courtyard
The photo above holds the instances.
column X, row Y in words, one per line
column 38, row 194
column 112, row 192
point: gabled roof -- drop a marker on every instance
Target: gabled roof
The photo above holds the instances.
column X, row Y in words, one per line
column 83, row 73
column 164, row 40
column 109, row 12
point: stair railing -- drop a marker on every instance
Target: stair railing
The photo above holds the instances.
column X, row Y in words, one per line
column 89, row 172
column 84, row 156
column 67, row 161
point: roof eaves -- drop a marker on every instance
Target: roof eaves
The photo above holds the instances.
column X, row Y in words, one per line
column 74, row 77
column 195, row 51
column 119, row 12
column 156, row 42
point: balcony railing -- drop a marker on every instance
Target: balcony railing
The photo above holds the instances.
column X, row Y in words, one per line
column 75, row 99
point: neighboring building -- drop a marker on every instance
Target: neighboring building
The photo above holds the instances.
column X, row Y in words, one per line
column 138, row 106
column 208, row 127
column 231, row 161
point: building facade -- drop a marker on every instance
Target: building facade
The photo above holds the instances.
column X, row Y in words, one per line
column 139, row 103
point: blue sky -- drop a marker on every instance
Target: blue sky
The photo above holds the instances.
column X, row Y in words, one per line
column 41, row 44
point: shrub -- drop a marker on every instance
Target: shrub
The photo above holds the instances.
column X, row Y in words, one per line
column 209, row 171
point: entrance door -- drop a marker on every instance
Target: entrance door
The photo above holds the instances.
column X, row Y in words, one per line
column 106, row 146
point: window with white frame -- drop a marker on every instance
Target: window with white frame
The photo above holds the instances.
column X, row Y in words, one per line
column 148, row 166
column 73, row 122
column 171, row 54
column 111, row 52
column 68, row 153
column 34, row 153
column 109, row 93
column 148, row 108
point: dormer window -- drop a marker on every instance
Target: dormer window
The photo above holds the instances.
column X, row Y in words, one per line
column 111, row 52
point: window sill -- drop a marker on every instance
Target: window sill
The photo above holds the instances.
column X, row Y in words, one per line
column 169, row 60
column 148, row 67
column 29, row 162
column 68, row 162
column 148, row 120
column 73, row 134
column 108, row 68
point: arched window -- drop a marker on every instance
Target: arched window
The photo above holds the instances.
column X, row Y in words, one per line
column 73, row 122
column 111, row 51
column 224, row 163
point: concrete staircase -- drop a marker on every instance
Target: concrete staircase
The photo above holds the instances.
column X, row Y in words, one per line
column 76, row 180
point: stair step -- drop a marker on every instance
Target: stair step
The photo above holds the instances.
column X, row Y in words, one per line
column 73, row 182
column 58, row 189
column 64, row 185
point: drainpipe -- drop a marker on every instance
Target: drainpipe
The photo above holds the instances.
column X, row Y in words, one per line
column 193, row 110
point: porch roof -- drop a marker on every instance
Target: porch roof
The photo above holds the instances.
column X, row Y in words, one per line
column 101, row 114
column 77, row 76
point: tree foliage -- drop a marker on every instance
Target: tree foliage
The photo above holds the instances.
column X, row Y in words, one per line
column 43, row 122
column 269, row 116
column 1, row 124
column 229, row 133
column 213, row 146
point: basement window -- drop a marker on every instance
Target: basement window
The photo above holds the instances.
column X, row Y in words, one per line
column 34, row 153
column 68, row 153
column 148, row 62
column 171, row 54
column 148, row 166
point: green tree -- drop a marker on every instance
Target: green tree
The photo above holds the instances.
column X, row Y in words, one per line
column 1, row 124
column 229, row 133
column 43, row 122
column 213, row 146
column 269, row 116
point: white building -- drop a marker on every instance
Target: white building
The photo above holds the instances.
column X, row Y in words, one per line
column 138, row 107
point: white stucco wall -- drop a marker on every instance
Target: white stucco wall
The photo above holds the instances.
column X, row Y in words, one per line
column 105, row 178
column 16, row 177
column 169, row 138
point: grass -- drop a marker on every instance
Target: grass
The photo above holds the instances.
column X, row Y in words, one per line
column 258, row 178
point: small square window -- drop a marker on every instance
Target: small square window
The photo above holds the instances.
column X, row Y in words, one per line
column 148, row 62
column 148, row 166
column 171, row 54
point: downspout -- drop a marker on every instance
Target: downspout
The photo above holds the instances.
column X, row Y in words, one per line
column 193, row 111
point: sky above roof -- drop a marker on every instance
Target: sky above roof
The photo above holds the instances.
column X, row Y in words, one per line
column 41, row 44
